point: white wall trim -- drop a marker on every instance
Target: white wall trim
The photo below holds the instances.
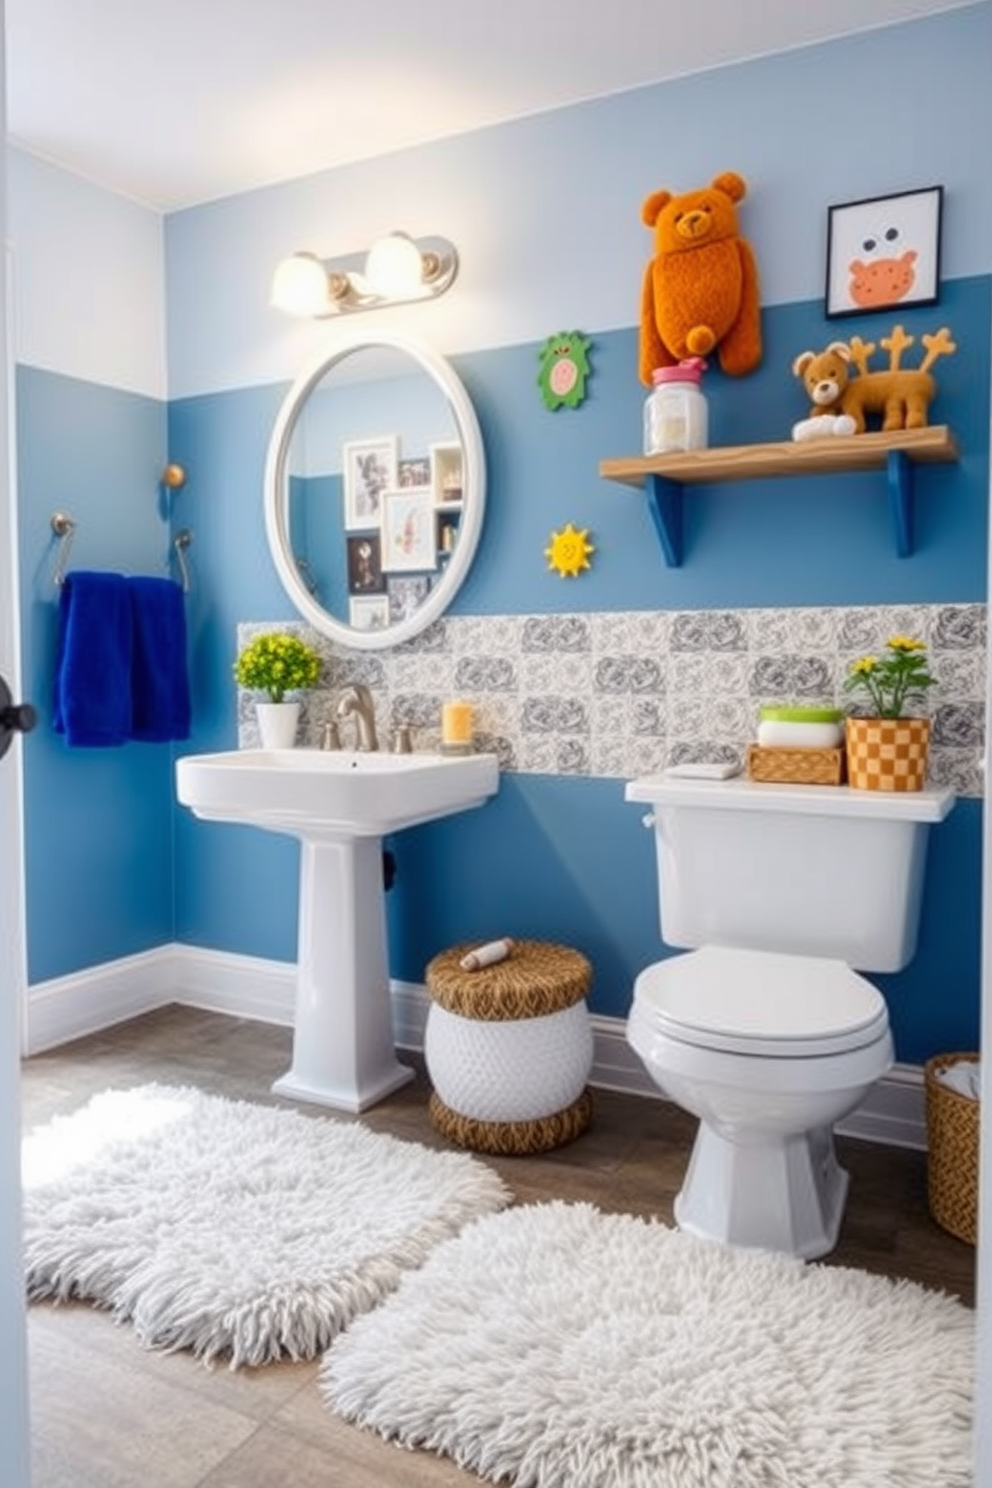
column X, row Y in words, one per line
column 84, row 1002
column 252, row 987
column 244, row 986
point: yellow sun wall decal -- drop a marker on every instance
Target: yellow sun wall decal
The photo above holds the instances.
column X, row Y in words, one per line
column 569, row 552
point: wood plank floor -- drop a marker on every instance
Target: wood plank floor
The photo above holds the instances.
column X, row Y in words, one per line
column 107, row 1413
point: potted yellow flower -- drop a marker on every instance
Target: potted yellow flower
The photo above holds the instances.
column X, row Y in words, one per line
column 277, row 663
column 888, row 750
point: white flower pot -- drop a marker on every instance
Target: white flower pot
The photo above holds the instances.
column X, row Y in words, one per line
column 277, row 724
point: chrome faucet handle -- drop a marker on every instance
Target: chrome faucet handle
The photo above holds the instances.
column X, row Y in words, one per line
column 330, row 737
column 402, row 739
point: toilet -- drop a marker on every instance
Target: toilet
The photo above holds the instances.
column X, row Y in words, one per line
column 765, row 1030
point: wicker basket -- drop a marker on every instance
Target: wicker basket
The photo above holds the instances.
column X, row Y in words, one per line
column 509, row 1048
column 795, row 766
column 953, row 1122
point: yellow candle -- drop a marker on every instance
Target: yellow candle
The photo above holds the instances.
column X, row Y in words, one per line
column 456, row 724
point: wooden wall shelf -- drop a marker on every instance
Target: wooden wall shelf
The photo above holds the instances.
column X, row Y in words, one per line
column 664, row 477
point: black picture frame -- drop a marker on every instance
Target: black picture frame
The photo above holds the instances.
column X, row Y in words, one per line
column 365, row 574
column 883, row 253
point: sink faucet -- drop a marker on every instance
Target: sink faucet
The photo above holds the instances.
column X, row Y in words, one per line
column 356, row 699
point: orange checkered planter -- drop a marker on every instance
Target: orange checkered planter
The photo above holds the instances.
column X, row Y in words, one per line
column 887, row 754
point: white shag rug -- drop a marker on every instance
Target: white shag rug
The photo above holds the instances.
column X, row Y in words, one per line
column 229, row 1228
column 554, row 1346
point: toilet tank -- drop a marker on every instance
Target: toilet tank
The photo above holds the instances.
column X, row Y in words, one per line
column 811, row 870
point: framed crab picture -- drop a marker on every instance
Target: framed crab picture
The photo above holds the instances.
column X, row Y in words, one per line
column 884, row 253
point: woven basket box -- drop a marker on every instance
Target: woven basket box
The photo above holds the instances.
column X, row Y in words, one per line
column 795, row 766
column 953, row 1122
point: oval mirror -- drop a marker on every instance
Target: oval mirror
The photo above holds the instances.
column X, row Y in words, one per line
column 375, row 490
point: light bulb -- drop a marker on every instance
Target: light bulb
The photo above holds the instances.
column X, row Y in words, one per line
column 300, row 287
column 394, row 267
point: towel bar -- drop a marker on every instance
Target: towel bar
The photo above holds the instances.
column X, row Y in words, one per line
column 64, row 528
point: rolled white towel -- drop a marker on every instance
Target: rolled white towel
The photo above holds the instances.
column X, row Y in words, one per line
column 964, row 1076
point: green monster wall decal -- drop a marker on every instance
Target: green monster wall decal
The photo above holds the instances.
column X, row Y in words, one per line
column 564, row 369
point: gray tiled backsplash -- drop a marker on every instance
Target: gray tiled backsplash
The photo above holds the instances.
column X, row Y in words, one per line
column 627, row 692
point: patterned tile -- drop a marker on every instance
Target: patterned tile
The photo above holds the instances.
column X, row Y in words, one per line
column 730, row 673
column 610, row 714
column 813, row 630
column 647, row 757
column 572, row 757
column 960, row 674
column 690, row 631
column 537, row 754
column 687, row 673
column 630, row 633
column 648, row 717
column 556, row 633
column 608, row 755
column 487, row 635
column 624, row 693
column 959, row 627
column 768, row 630
column 959, row 725
column 485, row 674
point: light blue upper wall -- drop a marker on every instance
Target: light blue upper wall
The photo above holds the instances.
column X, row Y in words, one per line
column 546, row 211
column 87, row 279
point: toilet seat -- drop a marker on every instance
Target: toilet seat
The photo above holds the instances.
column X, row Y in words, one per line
column 761, row 1004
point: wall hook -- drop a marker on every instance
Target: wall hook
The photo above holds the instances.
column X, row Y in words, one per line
column 64, row 528
column 174, row 477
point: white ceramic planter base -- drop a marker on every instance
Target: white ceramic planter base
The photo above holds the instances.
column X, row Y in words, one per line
column 277, row 724
column 343, row 1053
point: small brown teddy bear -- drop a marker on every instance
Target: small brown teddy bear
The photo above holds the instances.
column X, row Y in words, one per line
column 841, row 400
column 701, row 287
column 825, row 376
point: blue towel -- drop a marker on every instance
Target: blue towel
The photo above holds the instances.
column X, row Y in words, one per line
column 160, row 698
column 92, row 704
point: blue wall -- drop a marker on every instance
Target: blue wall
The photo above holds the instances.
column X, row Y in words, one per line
column 567, row 858
column 98, row 840
column 556, row 857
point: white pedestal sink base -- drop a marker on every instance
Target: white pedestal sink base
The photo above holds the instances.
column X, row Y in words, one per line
column 344, row 1099
column 343, row 1043
column 340, row 804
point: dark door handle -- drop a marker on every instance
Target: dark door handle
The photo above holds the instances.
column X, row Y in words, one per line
column 15, row 718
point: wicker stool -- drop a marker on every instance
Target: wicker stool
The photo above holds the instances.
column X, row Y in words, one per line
column 509, row 1048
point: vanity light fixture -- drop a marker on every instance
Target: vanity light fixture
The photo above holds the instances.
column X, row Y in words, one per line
column 396, row 270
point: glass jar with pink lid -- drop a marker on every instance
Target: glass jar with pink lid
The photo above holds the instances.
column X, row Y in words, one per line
column 675, row 412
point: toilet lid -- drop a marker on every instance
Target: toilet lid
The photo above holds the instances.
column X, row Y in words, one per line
column 760, row 1003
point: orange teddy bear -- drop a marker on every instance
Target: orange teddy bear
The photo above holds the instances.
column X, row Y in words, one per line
column 701, row 286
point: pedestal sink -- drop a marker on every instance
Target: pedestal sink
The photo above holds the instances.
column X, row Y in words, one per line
column 339, row 804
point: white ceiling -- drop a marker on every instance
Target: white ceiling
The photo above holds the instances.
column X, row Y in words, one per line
column 175, row 102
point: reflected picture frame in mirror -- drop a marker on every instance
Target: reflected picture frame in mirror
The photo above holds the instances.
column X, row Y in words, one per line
column 369, row 469
column 365, row 630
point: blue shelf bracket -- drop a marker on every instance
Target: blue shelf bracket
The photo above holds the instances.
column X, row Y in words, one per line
column 899, row 469
column 665, row 505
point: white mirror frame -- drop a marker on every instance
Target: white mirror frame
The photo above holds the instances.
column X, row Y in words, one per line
column 276, row 492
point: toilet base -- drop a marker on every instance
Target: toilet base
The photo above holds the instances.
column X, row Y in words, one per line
column 786, row 1194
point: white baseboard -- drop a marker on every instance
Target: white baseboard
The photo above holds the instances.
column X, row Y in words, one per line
column 84, row 1002
column 244, row 986
column 251, row 987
